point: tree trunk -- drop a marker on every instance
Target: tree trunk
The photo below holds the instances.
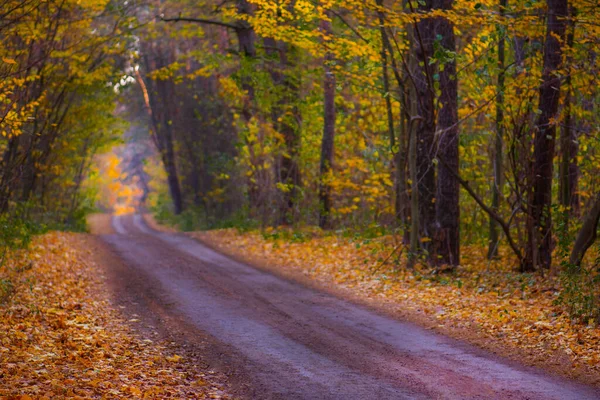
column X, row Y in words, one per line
column 539, row 244
column 285, row 117
column 398, row 149
column 161, row 121
column 587, row 234
column 167, row 149
column 402, row 205
column 385, row 77
column 568, row 170
column 327, row 150
column 415, row 243
column 447, row 235
column 422, row 43
column 494, row 238
column 247, row 50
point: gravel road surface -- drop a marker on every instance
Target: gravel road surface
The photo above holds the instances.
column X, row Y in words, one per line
column 277, row 339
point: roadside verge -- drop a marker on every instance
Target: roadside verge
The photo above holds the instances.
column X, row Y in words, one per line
column 61, row 336
column 516, row 319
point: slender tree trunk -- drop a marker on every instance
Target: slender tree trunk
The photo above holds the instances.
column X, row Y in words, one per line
column 385, row 77
column 247, row 50
column 539, row 245
column 8, row 180
column 415, row 224
column 285, row 117
column 398, row 149
column 290, row 170
column 168, row 149
column 402, row 203
column 568, row 170
column 498, row 160
column 327, row 143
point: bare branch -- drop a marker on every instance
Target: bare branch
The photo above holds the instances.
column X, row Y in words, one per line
column 505, row 227
column 200, row 21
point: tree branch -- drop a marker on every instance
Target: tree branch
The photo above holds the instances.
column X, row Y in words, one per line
column 200, row 21
column 505, row 227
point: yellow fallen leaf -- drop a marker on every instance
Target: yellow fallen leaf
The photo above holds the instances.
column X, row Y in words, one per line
column 174, row 358
column 135, row 391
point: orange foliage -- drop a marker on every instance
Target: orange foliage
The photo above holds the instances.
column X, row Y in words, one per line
column 60, row 337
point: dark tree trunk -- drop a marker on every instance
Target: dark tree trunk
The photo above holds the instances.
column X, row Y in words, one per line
column 447, row 235
column 167, row 149
column 569, row 170
column 498, row 159
column 172, row 175
column 385, row 77
column 410, row 102
column 539, row 244
column 245, row 32
column 587, row 234
column 327, row 149
column 247, row 50
column 8, row 170
column 424, row 37
column 157, row 102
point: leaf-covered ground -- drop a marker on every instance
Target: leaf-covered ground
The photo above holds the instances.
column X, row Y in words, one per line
column 486, row 303
column 60, row 337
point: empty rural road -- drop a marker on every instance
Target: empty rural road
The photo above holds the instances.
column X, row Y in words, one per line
column 292, row 342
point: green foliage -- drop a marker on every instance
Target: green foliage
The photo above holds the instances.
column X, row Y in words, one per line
column 196, row 218
column 6, row 289
column 17, row 228
column 162, row 209
column 579, row 294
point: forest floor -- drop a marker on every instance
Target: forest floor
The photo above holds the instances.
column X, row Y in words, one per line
column 62, row 334
column 486, row 303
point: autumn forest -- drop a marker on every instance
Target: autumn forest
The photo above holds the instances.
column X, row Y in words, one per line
column 443, row 154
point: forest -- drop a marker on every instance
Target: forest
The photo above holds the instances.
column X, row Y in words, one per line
column 427, row 148
column 444, row 123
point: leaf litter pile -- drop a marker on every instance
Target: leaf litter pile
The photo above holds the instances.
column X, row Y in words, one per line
column 60, row 337
column 486, row 303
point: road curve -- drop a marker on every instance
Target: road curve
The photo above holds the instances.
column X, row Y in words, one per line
column 297, row 343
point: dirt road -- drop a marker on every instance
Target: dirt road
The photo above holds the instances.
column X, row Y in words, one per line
column 278, row 339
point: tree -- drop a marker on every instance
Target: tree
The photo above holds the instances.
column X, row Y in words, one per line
column 568, row 170
column 539, row 245
column 328, row 132
column 447, row 209
column 423, row 38
column 498, row 157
